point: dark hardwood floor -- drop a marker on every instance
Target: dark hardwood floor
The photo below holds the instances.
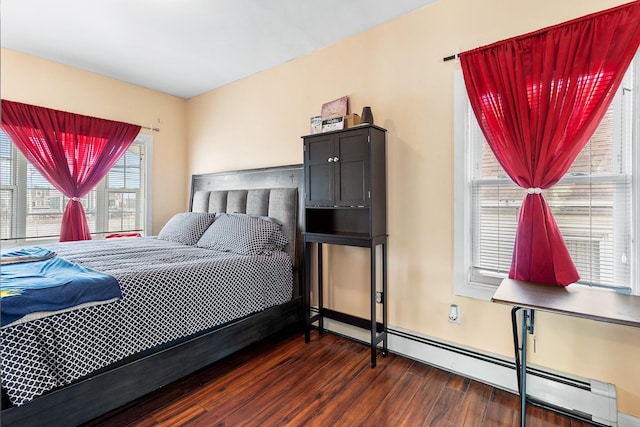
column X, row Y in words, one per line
column 328, row 382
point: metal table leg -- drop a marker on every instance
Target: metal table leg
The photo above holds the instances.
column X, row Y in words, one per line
column 520, row 350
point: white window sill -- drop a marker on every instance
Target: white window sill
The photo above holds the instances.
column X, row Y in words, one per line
column 475, row 290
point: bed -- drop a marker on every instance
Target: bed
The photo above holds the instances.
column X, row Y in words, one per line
column 169, row 322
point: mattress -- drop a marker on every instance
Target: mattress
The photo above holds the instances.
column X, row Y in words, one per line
column 170, row 291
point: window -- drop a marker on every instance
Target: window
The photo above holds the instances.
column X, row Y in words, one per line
column 596, row 204
column 31, row 208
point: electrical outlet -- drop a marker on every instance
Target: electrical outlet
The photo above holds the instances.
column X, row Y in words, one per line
column 454, row 314
column 379, row 297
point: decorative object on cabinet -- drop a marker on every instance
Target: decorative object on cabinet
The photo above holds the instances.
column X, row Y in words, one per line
column 367, row 115
column 336, row 123
column 339, row 123
column 351, row 120
column 316, row 124
column 346, row 204
column 336, row 108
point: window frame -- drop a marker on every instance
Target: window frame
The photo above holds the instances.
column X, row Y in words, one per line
column 465, row 284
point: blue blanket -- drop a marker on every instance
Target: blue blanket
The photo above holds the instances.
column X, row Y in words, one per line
column 50, row 285
column 26, row 255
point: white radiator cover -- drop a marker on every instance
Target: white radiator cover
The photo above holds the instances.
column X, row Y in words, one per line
column 587, row 396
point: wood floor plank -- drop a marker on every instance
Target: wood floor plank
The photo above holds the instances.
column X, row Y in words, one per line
column 503, row 409
column 392, row 409
column 445, row 412
column 423, row 401
column 262, row 405
column 181, row 416
column 327, row 396
column 473, row 406
column 305, row 389
column 286, row 382
column 372, row 394
column 458, row 383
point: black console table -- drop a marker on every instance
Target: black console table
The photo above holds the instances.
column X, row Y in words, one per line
column 346, row 204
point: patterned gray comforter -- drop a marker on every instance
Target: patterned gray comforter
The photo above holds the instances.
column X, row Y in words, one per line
column 169, row 291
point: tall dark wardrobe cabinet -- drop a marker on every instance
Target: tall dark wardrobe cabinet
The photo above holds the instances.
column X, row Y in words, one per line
column 346, row 204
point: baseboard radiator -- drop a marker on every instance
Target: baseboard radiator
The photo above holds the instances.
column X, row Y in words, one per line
column 588, row 398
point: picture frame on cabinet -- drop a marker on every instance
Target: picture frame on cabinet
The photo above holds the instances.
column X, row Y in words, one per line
column 335, row 108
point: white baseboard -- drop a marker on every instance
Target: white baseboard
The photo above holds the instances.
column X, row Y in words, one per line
column 591, row 398
column 625, row 420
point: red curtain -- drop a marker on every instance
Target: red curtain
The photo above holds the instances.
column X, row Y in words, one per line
column 73, row 152
column 538, row 99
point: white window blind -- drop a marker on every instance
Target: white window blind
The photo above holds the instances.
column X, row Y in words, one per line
column 124, row 193
column 32, row 208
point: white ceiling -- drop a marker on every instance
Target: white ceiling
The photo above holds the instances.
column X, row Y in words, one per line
column 185, row 47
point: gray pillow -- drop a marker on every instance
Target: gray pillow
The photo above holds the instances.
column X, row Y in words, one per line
column 244, row 235
column 186, row 227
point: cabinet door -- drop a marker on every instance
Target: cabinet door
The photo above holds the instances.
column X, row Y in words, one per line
column 318, row 170
column 352, row 168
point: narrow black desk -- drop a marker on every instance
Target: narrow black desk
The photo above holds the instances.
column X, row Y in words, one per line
column 574, row 300
column 378, row 329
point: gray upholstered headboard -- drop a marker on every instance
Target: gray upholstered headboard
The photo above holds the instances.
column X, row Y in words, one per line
column 278, row 203
column 276, row 192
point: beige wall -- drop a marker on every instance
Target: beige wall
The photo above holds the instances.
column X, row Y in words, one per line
column 397, row 69
column 36, row 81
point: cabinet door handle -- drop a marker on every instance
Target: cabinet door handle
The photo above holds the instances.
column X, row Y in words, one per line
column 335, row 159
column 330, row 160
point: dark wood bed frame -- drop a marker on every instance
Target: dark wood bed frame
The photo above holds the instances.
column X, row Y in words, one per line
column 109, row 389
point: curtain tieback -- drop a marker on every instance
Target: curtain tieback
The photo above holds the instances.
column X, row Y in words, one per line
column 75, row 199
column 532, row 190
